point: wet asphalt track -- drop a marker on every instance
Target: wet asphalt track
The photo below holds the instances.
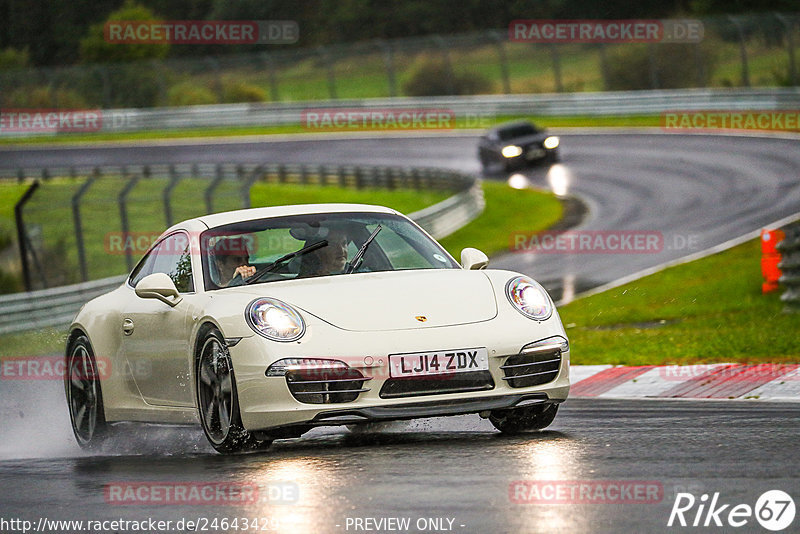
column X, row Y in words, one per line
column 457, row 468
column 707, row 188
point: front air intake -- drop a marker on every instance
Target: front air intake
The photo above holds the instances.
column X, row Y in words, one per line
column 326, row 385
column 536, row 364
column 437, row 385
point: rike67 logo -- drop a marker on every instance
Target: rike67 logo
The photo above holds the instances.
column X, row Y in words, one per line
column 774, row 510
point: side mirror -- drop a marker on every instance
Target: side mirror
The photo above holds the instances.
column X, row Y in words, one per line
column 473, row 259
column 158, row 286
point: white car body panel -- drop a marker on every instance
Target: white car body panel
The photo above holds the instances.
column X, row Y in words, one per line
column 359, row 318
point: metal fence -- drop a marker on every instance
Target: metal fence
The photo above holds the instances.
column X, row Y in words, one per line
column 746, row 51
column 80, row 224
column 470, row 111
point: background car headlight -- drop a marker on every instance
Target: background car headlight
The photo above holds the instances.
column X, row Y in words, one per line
column 529, row 298
column 511, row 151
column 275, row 320
column 551, row 142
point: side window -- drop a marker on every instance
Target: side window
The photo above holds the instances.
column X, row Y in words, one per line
column 182, row 274
column 172, row 257
column 144, row 267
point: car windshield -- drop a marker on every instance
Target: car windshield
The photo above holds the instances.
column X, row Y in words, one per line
column 306, row 246
column 519, row 130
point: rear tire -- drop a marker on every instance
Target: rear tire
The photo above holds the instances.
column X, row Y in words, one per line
column 218, row 400
column 84, row 396
column 516, row 420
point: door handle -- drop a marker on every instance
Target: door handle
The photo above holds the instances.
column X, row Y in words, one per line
column 127, row 326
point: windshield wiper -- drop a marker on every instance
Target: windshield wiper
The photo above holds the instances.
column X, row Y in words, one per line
column 283, row 259
column 356, row 263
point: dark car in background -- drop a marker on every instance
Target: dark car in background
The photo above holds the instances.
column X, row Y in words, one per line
column 516, row 145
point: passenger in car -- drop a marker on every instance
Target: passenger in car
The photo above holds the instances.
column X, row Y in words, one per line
column 231, row 258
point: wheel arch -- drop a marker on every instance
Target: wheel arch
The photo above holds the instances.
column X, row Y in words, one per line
column 75, row 332
column 203, row 330
column 206, row 326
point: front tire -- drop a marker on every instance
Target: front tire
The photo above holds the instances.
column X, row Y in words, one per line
column 217, row 398
column 84, row 396
column 516, row 420
column 485, row 162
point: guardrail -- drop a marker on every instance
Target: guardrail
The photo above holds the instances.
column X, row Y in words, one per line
column 471, row 109
column 789, row 265
column 55, row 307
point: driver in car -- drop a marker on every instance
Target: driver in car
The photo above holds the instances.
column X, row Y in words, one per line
column 231, row 257
column 330, row 259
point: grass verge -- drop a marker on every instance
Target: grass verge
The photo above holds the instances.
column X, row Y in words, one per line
column 707, row 311
column 507, row 211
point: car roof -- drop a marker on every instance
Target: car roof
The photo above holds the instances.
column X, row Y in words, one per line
column 511, row 125
column 219, row 219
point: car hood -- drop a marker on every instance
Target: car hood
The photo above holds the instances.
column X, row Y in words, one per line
column 397, row 300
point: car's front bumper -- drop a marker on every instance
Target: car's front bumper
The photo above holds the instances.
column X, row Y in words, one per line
column 532, row 154
column 267, row 403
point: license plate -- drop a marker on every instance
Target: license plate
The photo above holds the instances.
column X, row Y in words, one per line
column 441, row 362
column 535, row 153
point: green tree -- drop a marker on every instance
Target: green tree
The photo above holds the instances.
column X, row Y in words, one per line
column 131, row 76
column 11, row 58
column 95, row 48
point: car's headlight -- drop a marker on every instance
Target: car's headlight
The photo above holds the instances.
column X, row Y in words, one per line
column 275, row 320
column 529, row 298
column 511, row 151
column 551, row 142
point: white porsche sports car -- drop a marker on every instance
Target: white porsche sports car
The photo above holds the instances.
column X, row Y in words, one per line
column 263, row 323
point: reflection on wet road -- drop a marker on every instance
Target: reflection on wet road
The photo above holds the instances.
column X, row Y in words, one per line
column 456, row 469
